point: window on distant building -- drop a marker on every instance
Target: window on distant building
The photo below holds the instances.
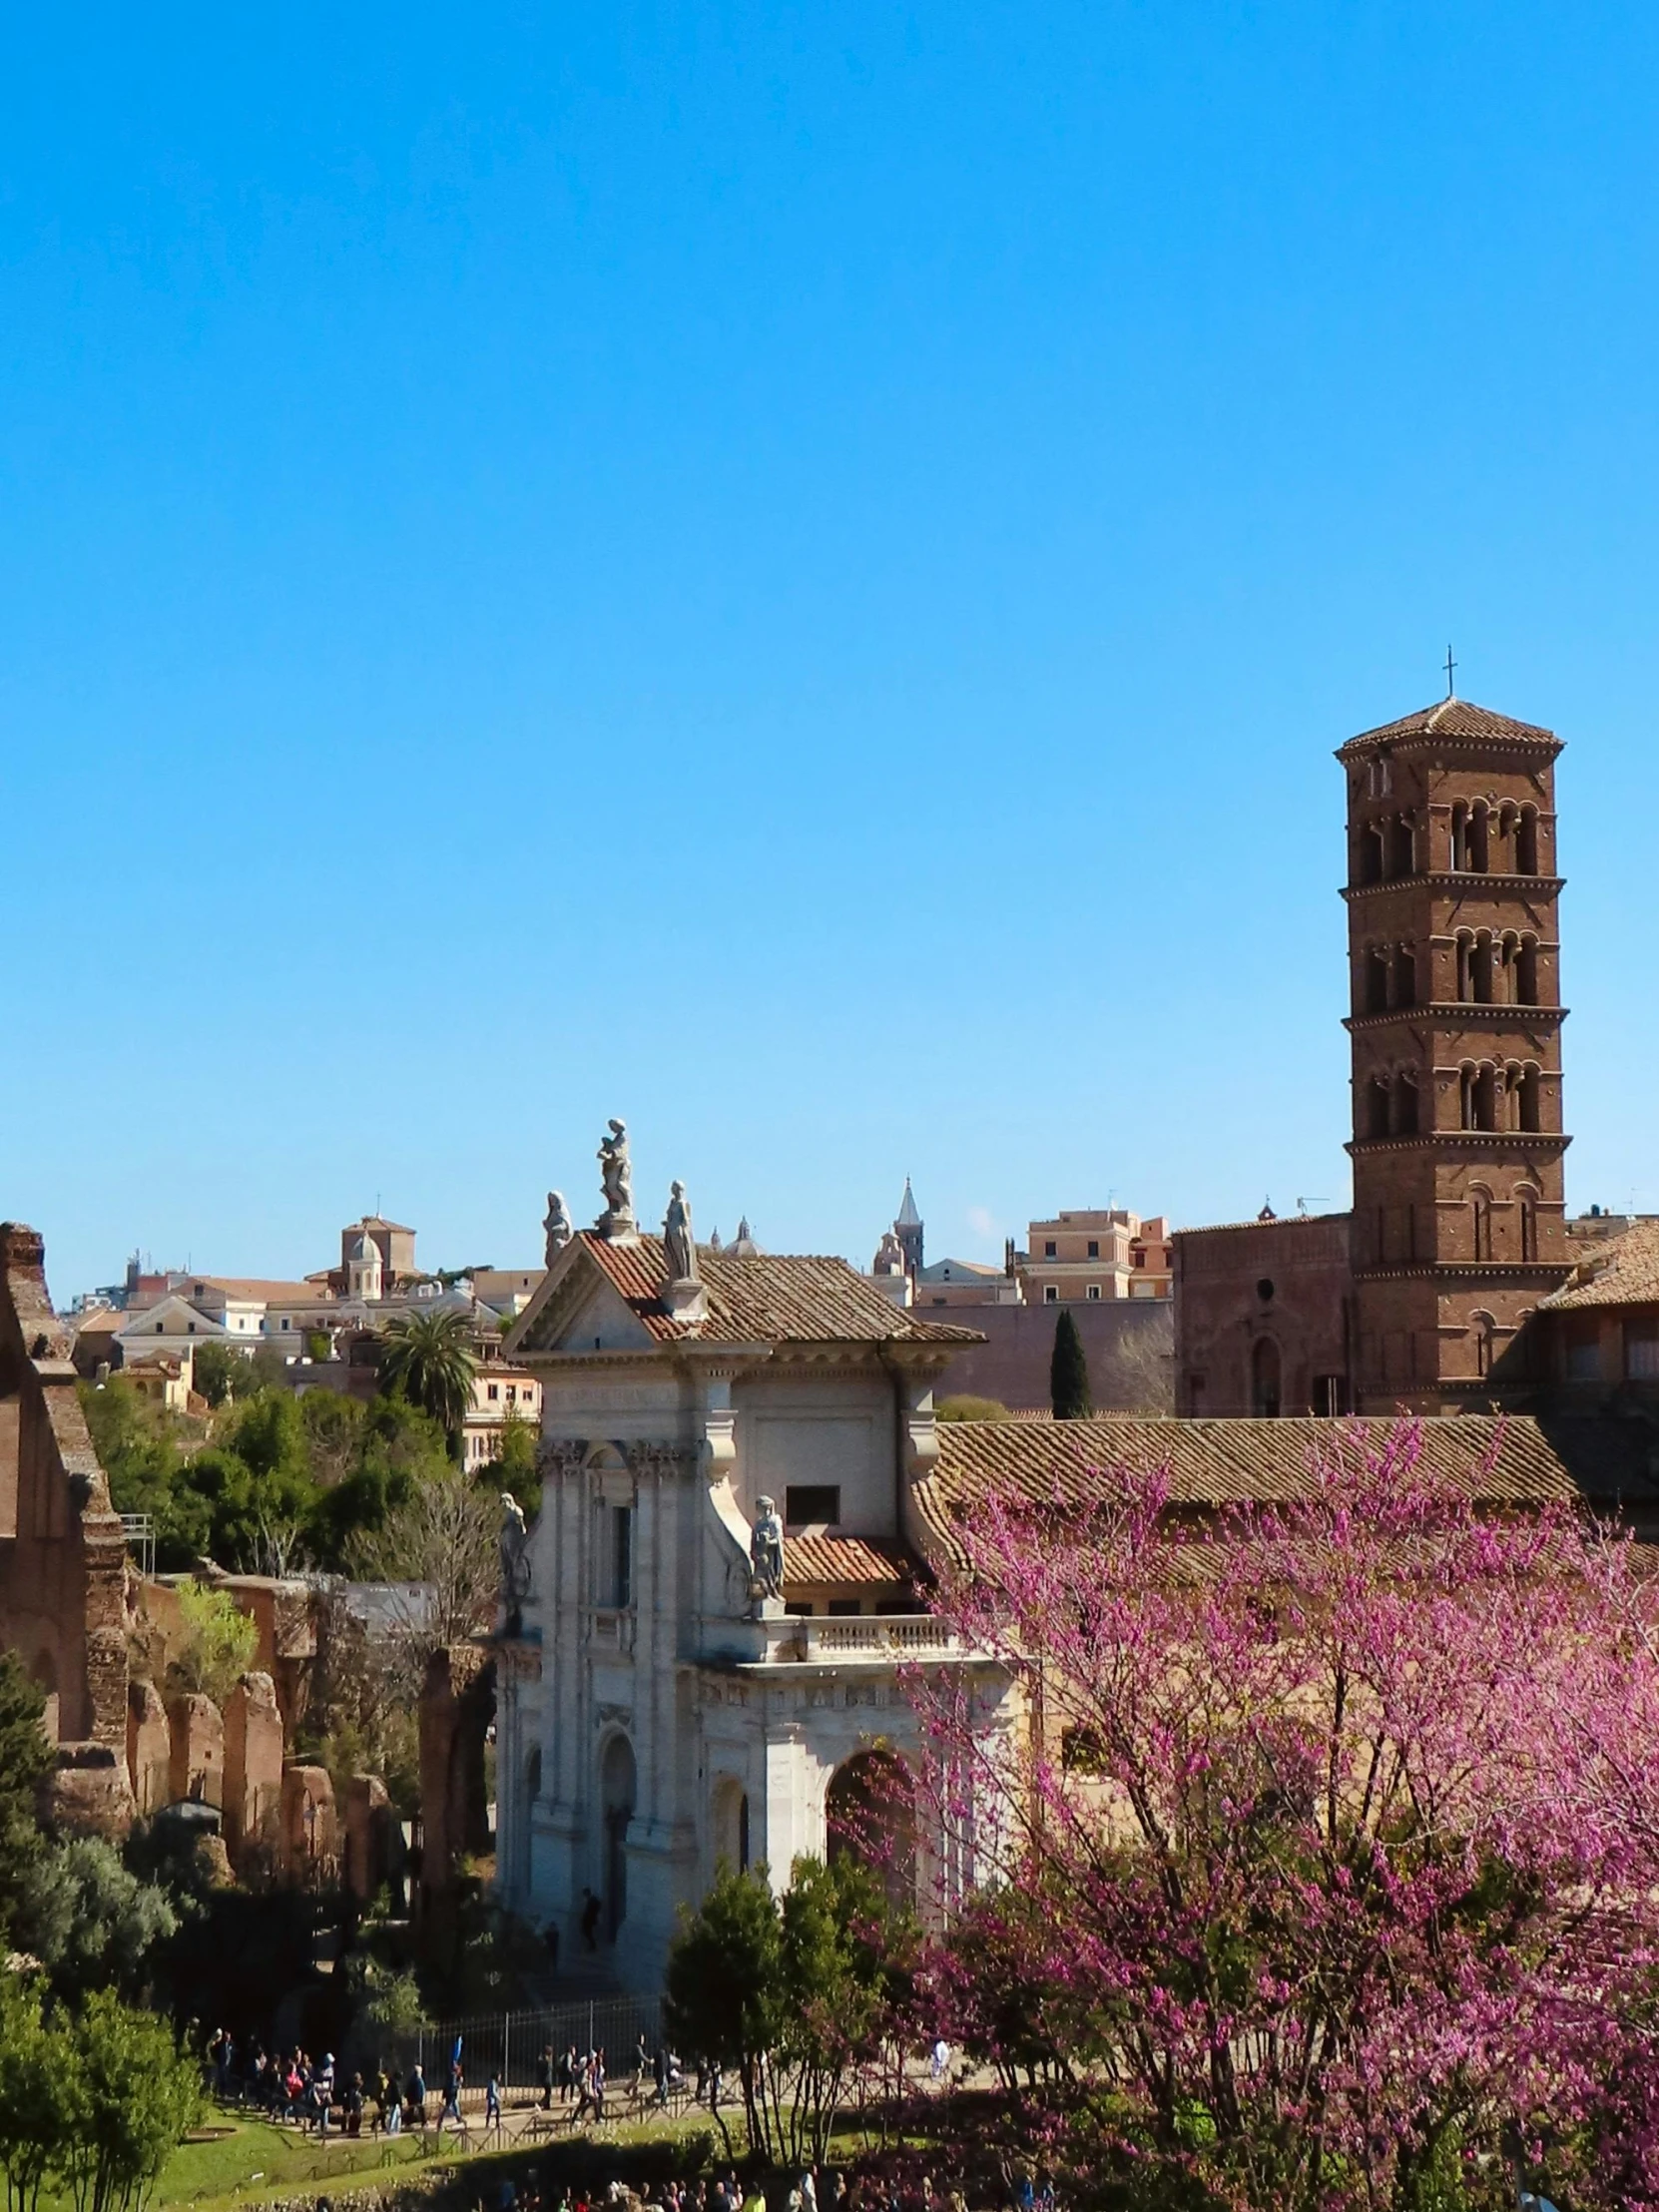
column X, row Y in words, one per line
column 811, row 1505
column 492, row 1391
column 843, row 1608
column 285, row 1321
column 1140, row 1257
column 1641, row 1350
column 1094, row 1290
column 1094, row 1247
column 1051, row 1293
column 1584, row 1359
column 1049, row 1249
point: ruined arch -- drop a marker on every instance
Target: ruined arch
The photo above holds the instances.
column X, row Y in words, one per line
column 871, row 1815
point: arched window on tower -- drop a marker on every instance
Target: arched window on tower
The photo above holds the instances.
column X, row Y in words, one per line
column 1527, row 1199
column 1376, row 1106
column 1466, row 1079
column 1460, row 837
column 1371, row 853
column 1402, row 855
column 1405, row 976
column 1485, row 1331
column 1481, row 969
column 1529, row 1088
column 1485, row 1096
column 1505, row 951
column 1481, row 850
column 1526, row 841
column 1481, row 1203
column 1465, row 967
column 1375, row 998
column 1526, row 972
column 1406, row 1104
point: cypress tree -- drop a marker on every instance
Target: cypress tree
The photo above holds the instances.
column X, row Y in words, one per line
column 1068, row 1372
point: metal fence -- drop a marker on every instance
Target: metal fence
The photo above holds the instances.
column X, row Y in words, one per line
column 509, row 2045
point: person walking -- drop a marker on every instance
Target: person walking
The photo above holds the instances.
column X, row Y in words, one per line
column 492, row 2102
column 545, row 2074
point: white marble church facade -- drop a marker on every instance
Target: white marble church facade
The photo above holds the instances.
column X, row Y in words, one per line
column 656, row 1715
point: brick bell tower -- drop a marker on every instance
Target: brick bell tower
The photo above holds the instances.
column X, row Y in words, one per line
column 1458, row 1225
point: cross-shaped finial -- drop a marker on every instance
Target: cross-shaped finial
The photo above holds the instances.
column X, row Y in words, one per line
column 1451, row 667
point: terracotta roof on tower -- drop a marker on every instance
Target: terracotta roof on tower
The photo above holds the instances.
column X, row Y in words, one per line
column 1454, row 718
column 1504, row 1460
column 1623, row 1271
column 765, row 1297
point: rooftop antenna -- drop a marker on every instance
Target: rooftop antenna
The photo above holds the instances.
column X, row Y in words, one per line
column 1451, row 675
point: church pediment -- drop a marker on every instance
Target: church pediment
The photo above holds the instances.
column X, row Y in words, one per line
column 577, row 1308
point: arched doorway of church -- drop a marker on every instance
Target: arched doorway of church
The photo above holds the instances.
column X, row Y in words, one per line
column 616, row 1793
column 731, row 1825
column 870, row 1815
column 1265, row 1377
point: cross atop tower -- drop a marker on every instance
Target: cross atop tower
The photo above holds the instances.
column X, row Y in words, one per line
column 1450, row 669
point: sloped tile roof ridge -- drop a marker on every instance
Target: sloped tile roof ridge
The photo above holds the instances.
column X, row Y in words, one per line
column 1455, row 718
column 1274, row 1221
column 1214, row 1462
column 1622, row 1272
column 763, row 1297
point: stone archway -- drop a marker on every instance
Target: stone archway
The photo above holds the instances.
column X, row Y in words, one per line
column 871, row 1815
column 617, row 1784
column 728, row 1811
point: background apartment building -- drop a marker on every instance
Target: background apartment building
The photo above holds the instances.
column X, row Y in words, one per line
column 1093, row 1257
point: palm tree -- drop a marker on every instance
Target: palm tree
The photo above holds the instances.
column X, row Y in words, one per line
column 428, row 1357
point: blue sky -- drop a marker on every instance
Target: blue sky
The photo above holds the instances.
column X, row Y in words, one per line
column 792, row 574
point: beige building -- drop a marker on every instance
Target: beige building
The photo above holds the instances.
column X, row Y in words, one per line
column 500, row 1393
column 1089, row 1257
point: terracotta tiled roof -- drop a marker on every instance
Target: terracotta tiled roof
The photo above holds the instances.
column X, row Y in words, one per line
column 853, row 1559
column 1455, row 718
column 766, row 1298
column 252, row 1289
column 1215, row 1463
column 1622, row 1272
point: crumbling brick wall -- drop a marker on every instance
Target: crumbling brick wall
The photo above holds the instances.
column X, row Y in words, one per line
column 63, row 1557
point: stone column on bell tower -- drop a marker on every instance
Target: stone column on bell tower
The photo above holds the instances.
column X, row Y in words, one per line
column 1455, row 1025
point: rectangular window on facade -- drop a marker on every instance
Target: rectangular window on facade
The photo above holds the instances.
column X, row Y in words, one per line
column 1641, row 1352
column 800, row 1609
column 493, row 1390
column 1140, row 1259
column 1094, row 1247
column 1094, row 1291
column 1051, row 1293
column 620, row 1520
column 811, row 1505
column 1584, row 1359
column 843, row 1608
column 1049, row 1249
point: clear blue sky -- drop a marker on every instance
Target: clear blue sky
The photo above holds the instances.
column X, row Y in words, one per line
column 791, row 573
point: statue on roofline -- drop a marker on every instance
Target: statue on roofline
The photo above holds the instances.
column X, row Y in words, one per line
column 679, row 1241
column 765, row 1550
column 616, row 1173
column 557, row 1225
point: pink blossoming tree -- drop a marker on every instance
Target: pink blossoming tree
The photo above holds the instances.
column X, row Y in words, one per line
column 1325, row 1870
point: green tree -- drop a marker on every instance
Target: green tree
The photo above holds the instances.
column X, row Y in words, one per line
column 218, row 1644
column 137, row 2096
column 396, row 1448
column 221, row 1374
column 839, row 1947
column 725, row 1989
column 37, row 2093
column 1069, row 1373
column 25, row 1762
column 139, row 1447
column 88, row 1920
column 964, row 1407
column 515, row 1464
column 428, row 1357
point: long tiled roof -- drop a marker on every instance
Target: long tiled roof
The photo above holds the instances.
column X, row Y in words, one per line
column 1504, row 1460
column 810, row 1560
column 765, row 1297
column 1622, row 1272
column 1455, row 718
